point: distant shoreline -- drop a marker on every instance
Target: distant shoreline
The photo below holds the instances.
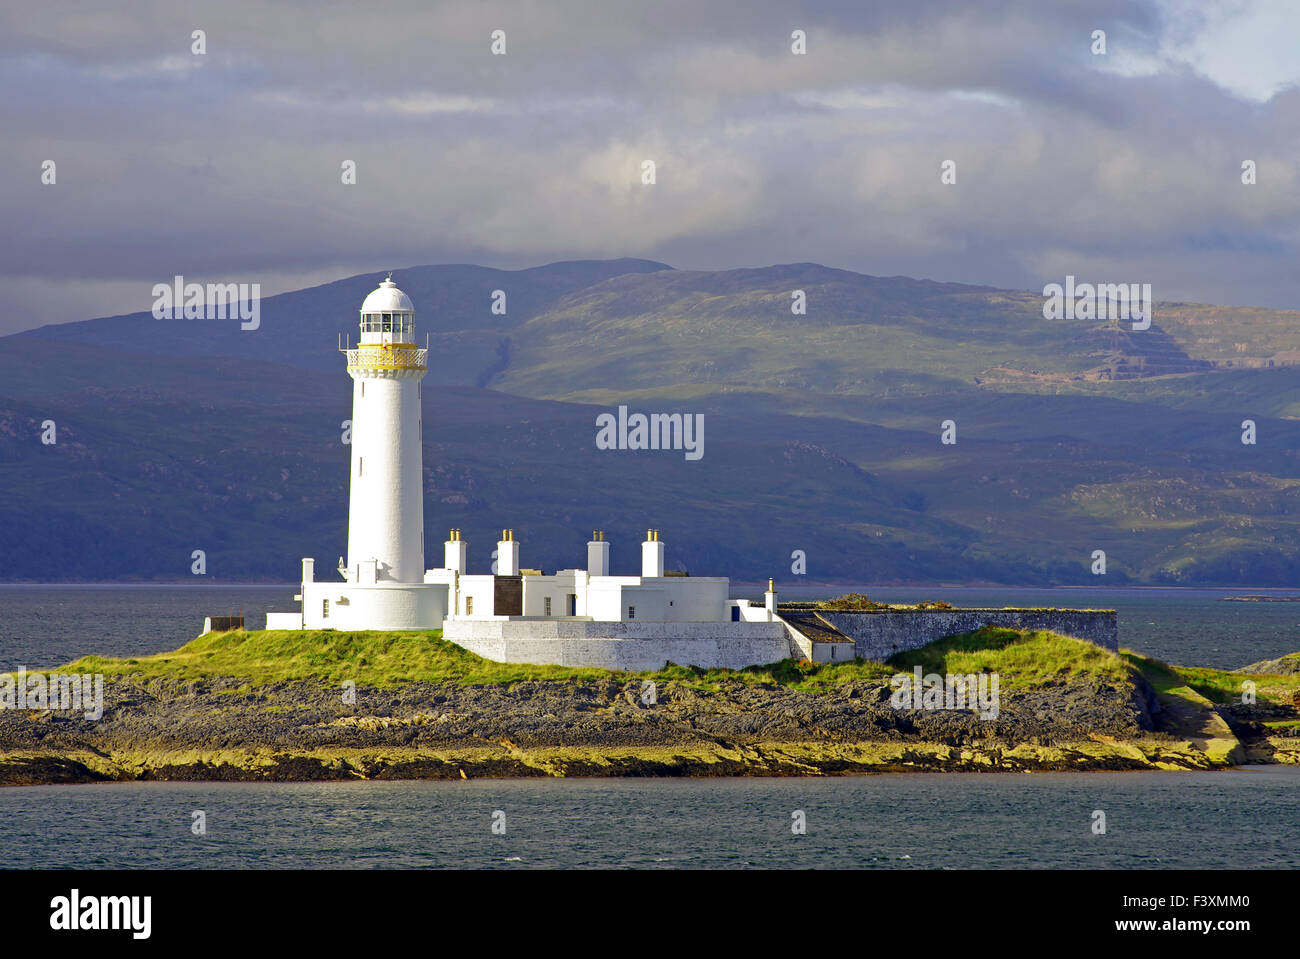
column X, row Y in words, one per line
column 737, row 584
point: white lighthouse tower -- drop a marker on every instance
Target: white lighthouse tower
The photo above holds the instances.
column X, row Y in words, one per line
column 383, row 577
column 386, row 506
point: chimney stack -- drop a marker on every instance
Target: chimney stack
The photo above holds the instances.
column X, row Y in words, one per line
column 652, row 555
column 455, row 552
column 508, row 554
column 598, row 554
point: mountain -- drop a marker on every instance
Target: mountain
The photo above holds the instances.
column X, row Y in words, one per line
column 822, row 431
column 303, row 328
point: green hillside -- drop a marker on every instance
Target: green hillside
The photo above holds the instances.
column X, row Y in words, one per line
column 822, row 432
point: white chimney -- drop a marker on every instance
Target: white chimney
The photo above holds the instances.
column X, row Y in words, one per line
column 455, row 552
column 770, row 597
column 598, row 554
column 652, row 555
column 507, row 554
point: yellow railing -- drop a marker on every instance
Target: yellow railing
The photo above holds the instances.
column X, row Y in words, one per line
column 388, row 357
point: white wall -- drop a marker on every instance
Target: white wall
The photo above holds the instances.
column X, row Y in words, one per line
column 605, row 597
column 386, row 606
column 386, row 499
column 694, row 599
column 482, row 589
column 648, row 601
column 557, row 587
column 631, row 646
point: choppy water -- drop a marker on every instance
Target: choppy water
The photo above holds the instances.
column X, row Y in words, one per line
column 1245, row 818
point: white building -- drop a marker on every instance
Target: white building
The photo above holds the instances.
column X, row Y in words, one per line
column 588, row 617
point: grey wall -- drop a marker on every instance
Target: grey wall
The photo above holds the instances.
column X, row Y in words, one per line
column 878, row 634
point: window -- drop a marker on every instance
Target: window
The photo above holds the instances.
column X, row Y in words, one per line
column 324, row 609
column 631, row 612
column 546, row 606
column 469, row 605
column 361, row 465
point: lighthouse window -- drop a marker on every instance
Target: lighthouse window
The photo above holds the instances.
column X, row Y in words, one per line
column 547, row 603
column 631, row 612
column 388, row 323
column 324, row 609
column 469, row 605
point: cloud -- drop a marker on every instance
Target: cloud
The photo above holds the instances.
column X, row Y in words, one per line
column 228, row 165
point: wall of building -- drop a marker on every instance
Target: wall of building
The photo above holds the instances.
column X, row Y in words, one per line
column 557, row 588
column 632, row 646
column 386, row 493
column 481, row 588
column 385, row 606
column 693, row 599
column 605, row 597
column 878, row 634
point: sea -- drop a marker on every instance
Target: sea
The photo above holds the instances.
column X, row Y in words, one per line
column 1244, row 818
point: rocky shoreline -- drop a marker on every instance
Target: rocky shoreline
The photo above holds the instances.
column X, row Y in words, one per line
column 224, row 729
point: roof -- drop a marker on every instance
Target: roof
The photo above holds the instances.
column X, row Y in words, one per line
column 387, row 298
column 813, row 626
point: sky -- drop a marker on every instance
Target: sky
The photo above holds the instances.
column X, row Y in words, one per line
column 226, row 166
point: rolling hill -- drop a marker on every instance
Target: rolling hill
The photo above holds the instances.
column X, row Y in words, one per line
column 822, row 431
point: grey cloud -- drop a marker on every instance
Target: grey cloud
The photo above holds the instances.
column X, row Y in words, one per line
column 230, row 169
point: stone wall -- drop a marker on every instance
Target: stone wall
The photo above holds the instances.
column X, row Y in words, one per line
column 628, row 645
column 878, row 634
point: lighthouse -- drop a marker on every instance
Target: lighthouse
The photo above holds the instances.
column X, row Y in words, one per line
column 384, row 582
column 386, row 501
column 514, row 613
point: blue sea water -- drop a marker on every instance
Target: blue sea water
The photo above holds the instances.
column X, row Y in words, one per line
column 1244, row 818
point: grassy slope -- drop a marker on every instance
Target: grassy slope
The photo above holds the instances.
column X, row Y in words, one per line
column 387, row 659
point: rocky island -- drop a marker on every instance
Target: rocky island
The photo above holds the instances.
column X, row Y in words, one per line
column 324, row 705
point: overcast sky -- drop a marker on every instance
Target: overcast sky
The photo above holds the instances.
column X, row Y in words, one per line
column 226, row 167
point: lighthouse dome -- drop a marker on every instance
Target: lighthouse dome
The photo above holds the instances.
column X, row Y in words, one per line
column 387, row 299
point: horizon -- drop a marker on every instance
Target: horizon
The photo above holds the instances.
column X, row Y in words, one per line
column 676, row 269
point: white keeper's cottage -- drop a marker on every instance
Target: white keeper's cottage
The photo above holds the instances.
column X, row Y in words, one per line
column 581, row 616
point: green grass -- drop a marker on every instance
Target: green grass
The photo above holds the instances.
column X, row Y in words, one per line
column 1223, row 687
column 379, row 659
column 388, row 659
column 1020, row 658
